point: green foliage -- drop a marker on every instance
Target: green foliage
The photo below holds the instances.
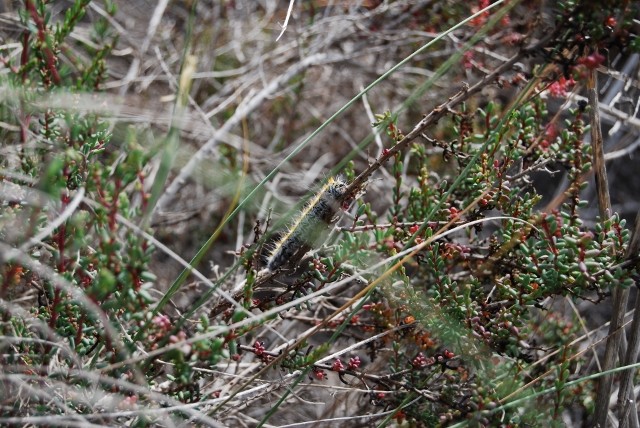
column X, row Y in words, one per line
column 492, row 280
column 66, row 160
column 440, row 283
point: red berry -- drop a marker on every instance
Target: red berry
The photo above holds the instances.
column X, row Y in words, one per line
column 258, row 348
column 319, row 374
column 592, row 61
column 354, row 362
column 337, row 365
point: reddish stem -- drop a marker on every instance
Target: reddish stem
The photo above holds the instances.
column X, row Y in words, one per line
column 11, row 272
column 24, row 58
column 42, row 38
column 57, row 296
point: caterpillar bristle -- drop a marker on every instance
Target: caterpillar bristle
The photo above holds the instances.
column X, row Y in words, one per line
column 304, row 232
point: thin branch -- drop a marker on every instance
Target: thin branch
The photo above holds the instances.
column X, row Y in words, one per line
column 620, row 295
column 625, row 396
column 240, row 113
column 68, row 212
column 440, row 111
column 286, row 20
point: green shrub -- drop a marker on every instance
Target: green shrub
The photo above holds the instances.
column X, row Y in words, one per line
column 434, row 301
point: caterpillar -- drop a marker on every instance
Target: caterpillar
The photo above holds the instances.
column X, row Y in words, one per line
column 308, row 227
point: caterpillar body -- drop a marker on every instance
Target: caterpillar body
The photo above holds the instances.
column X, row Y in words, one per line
column 304, row 233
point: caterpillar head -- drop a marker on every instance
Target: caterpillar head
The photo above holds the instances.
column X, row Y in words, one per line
column 337, row 187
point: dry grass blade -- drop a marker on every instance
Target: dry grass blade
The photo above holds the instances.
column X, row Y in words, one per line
column 626, row 397
column 455, row 291
column 620, row 295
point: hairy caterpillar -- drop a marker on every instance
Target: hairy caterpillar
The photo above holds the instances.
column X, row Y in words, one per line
column 310, row 224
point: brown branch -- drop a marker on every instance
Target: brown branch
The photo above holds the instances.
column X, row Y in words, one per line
column 440, row 111
column 625, row 396
column 620, row 295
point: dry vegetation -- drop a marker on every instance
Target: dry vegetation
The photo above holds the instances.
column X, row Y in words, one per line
column 476, row 266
